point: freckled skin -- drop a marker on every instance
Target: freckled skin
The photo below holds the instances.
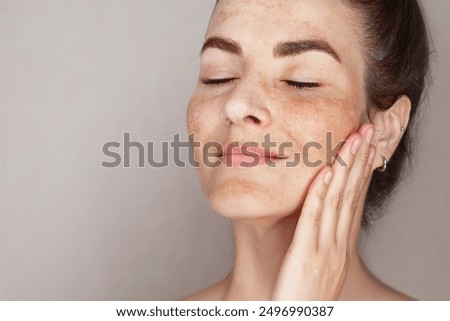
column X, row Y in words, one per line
column 289, row 114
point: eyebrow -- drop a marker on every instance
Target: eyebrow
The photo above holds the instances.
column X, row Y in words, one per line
column 282, row 49
column 293, row 48
column 223, row 44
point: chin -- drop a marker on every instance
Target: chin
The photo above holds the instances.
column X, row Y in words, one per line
column 247, row 200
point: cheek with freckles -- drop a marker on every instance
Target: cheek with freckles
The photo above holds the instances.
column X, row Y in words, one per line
column 202, row 120
column 196, row 114
column 308, row 119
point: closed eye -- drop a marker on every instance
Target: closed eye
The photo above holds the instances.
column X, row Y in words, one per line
column 301, row 85
column 217, row 81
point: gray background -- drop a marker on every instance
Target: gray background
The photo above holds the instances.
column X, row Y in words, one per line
column 76, row 74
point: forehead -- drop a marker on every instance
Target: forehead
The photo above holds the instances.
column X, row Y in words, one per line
column 261, row 23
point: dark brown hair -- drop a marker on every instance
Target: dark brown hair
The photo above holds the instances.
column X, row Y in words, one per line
column 397, row 63
column 396, row 42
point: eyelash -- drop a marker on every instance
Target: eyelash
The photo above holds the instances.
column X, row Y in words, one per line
column 296, row 84
column 301, row 85
column 215, row 82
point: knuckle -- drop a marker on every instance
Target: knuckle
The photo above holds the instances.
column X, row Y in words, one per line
column 320, row 194
column 336, row 201
column 364, row 158
column 352, row 196
column 315, row 217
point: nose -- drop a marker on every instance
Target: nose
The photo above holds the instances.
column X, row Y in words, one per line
column 246, row 107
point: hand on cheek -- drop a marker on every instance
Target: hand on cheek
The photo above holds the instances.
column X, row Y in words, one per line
column 316, row 263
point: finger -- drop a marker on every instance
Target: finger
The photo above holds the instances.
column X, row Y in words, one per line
column 333, row 198
column 358, row 175
column 305, row 236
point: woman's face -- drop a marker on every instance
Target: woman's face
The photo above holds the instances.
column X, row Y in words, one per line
column 291, row 69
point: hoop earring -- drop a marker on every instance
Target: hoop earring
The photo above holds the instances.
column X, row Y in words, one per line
column 383, row 168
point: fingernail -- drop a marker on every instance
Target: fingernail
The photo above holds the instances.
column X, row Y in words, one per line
column 355, row 146
column 328, row 177
column 372, row 154
column 369, row 135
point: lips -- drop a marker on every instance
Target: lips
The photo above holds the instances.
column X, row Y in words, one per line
column 232, row 149
column 242, row 155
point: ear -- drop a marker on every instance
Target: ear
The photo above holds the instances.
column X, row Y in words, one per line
column 388, row 129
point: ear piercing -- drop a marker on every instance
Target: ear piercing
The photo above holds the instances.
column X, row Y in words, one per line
column 383, row 168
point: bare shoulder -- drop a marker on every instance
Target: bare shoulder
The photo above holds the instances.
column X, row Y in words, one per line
column 212, row 293
column 383, row 292
column 369, row 288
column 376, row 290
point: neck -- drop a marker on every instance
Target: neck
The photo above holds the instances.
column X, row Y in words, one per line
column 260, row 247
